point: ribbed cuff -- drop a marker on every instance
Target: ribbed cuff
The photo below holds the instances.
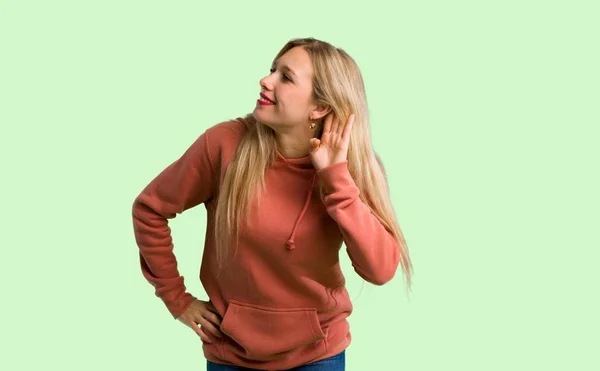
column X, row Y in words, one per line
column 336, row 177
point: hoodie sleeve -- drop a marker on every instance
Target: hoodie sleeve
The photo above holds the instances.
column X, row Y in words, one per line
column 371, row 247
column 187, row 182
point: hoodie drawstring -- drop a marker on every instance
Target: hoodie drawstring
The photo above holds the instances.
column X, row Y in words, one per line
column 290, row 243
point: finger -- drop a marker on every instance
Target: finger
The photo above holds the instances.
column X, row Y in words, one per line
column 209, row 326
column 348, row 127
column 204, row 337
column 314, row 144
column 327, row 127
column 212, row 315
column 335, row 123
column 198, row 331
column 211, row 306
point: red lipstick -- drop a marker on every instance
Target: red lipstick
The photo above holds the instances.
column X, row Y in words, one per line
column 265, row 101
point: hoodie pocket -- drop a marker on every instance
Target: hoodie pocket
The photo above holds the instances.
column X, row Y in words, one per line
column 265, row 332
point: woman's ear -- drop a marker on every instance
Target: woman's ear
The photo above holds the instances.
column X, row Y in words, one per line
column 319, row 112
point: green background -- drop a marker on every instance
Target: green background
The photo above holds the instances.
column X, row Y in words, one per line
column 485, row 114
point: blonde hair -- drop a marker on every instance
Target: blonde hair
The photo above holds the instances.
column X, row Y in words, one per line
column 337, row 84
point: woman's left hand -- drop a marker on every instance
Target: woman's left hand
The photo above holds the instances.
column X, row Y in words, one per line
column 333, row 145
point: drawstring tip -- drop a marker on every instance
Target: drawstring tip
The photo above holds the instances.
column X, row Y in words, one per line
column 290, row 245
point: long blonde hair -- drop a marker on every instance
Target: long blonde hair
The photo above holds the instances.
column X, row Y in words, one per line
column 337, row 84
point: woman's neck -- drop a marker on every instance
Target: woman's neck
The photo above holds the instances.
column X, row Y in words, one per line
column 290, row 149
column 293, row 145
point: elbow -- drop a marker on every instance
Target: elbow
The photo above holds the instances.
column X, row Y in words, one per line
column 136, row 203
column 377, row 270
column 141, row 207
column 378, row 277
column 142, row 215
column 381, row 278
column 382, row 273
column 136, row 208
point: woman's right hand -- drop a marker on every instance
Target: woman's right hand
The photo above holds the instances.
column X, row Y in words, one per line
column 202, row 313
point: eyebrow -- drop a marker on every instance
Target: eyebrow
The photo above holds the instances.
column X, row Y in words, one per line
column 286, row 68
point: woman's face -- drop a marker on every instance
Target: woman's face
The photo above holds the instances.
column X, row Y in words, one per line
column 289, row 92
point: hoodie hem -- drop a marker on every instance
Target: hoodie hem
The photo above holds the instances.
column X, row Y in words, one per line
column 338, row 339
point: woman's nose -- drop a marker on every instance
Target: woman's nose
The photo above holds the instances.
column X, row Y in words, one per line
column 265, row 83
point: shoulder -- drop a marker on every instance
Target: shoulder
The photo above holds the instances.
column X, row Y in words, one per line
column 230, row 130
column 223, row 138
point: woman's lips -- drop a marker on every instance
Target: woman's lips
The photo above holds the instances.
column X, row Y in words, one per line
column 265, row 101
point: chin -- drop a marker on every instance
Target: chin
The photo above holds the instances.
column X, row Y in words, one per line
column 275, row 124
column 258, row 117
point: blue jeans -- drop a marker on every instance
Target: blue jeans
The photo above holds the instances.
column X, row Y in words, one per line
column 335, row 363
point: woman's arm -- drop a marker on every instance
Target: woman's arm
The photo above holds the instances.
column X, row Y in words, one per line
column 373, row 250
column 185, row 183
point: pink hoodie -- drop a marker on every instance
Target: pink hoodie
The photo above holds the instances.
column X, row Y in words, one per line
column 282, row 298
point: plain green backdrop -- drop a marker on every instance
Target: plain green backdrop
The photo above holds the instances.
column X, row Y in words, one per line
column 485, row 114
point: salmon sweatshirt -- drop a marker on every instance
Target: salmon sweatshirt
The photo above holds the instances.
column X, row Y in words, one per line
column 282, row 296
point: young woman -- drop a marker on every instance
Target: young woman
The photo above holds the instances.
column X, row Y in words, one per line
column 283, row 187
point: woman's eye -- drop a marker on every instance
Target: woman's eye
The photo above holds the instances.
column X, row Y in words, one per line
column 283, row 76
